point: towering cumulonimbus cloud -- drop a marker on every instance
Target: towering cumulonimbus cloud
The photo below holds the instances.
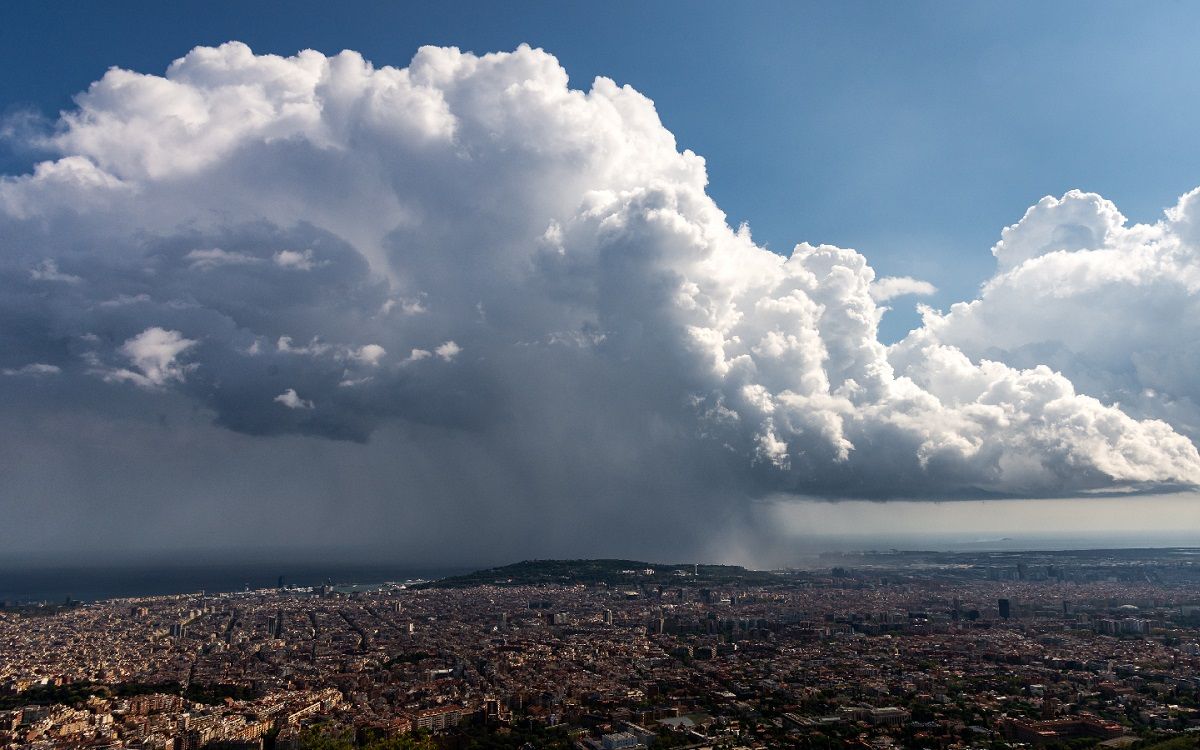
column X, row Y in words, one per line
column 471, row 249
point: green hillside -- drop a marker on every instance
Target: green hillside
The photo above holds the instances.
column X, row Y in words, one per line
column 614, row 573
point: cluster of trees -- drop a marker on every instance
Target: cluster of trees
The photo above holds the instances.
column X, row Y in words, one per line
column 76, row 694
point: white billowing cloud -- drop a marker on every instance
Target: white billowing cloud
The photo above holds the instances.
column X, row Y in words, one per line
column 463, row 184
column 291, row 400
column 1077, row 221
column 297, row 260
column 808, row 362
column 154, row 353
column 1114, row 307
column 890, row 287
column 210, row 258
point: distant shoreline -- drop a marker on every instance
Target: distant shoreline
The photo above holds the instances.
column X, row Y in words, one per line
column 54, row 584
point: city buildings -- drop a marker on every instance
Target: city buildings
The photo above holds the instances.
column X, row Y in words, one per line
column 874, row 650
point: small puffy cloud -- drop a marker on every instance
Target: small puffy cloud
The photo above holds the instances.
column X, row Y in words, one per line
column 126, row 299
column 314, row 348
column 34, row 369
column 208, row 259
column 154, row 353
column 411, row 306
column 371, row 354
column 890, row 287
column 448, row 351
column 349, row 381
column 291, row 400
column 47, row 270
column 295, row 260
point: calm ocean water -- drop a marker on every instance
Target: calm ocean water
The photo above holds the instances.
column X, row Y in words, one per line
column 89, row 583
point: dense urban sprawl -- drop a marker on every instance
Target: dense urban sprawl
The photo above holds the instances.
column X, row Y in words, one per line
column 917, row 650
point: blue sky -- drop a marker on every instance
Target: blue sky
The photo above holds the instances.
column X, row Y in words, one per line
column 910, row 131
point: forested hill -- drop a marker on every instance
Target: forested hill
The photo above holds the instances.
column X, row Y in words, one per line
column 610, row 572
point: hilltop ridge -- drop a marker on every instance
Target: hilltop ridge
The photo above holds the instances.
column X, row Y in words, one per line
column 611, row 572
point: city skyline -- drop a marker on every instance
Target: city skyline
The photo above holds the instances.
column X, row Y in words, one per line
column 491, row 292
